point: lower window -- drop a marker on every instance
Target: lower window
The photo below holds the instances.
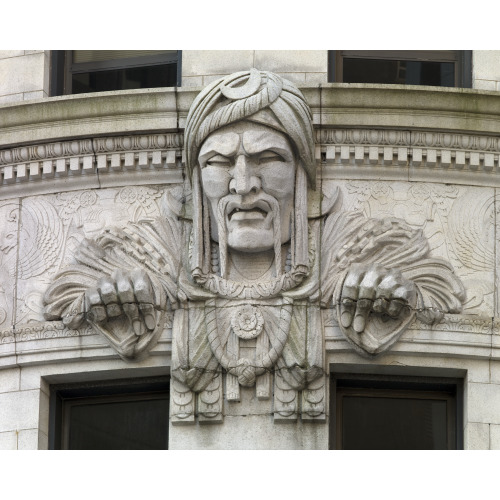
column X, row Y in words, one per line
column 387, row 413
column 119, row 415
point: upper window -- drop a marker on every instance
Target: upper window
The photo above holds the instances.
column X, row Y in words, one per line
column 79, row 71
column 443, row 68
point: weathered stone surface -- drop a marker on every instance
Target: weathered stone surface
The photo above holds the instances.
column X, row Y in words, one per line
column 218, row 62
column 477, row 409
column 20, row 410
column 22, row 74
column 291, row 61
column 252, row 432
column 486, row 65
column 9, row 240
column 8, row 440
column 494, row 437
column 477, row 436
column 248, row 276
column 257, row 341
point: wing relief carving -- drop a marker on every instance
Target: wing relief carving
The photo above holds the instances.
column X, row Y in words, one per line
column 247, row 269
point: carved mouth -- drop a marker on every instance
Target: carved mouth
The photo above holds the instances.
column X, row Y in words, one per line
column 247, row 214
column 242, row 211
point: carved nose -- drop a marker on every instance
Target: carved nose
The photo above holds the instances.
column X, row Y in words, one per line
column 243, row 181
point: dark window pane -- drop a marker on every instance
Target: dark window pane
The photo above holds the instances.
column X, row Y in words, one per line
column 384, row 423
column 85, row 56
column 358, row 70
column 119, row 425
column 162, row 75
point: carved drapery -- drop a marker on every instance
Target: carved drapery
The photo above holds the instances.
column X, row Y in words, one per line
column 271, row 342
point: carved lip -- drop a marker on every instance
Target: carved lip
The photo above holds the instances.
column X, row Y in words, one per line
column 257, row 210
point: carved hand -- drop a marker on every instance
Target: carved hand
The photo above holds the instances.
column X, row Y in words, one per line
column 130, row 294
column 374, row 288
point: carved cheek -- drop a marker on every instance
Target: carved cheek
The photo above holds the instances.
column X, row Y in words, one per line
column 279, row 181
column 215, row 182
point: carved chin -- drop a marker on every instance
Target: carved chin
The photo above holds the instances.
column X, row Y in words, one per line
column 251, row 239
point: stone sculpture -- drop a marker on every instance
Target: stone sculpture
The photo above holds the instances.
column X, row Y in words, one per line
column 246, row 269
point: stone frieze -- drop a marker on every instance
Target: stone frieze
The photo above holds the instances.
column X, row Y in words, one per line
column 245, row 269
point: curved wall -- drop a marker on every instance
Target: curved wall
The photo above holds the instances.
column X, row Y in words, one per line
column 71, row 166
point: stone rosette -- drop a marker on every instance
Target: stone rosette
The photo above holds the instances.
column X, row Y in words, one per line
column 247, row 322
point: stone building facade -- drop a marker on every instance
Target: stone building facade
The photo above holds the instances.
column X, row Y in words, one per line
column 398, row 177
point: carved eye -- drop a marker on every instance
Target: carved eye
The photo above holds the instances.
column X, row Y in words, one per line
column 218, row 161
column 269, row 157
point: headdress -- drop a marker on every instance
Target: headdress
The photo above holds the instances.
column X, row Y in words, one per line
column 258, row 96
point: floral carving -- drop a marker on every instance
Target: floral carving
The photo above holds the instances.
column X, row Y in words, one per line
column 244, row 267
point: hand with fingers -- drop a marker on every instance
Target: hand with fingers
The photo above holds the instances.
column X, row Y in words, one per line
column 374, row 289
column 128, row 294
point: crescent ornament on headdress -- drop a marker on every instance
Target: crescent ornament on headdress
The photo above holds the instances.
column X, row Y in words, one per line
column 250, row 88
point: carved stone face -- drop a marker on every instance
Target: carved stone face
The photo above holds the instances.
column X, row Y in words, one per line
column 248, row 177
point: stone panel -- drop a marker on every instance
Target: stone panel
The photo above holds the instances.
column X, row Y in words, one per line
column 483, row 403
column 6, row 99
column 485, row 84
column 215, row 62
column 19, row 410
column 316, row 78
column 497, row 257
column 37, row 94
column 486, row 64
column 8, row 440
column 192, row 81
column 494, row 371
column 10, row 380
column 494, row 437
column 32, row 439
column 27, row 74
column 252, row 432
column 4, row 54
column 457, row 221
column 53, row 227
column 292, row 61
column 28, row 439
column 477, row 436
column 9, row 229
column 298, row 79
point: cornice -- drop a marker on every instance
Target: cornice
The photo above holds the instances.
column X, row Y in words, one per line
column 362, row 131
column 333, row 105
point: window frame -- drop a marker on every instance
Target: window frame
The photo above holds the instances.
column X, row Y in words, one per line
column 62, row 67
column 461, row 58
column 396, row 386
column 65, row 396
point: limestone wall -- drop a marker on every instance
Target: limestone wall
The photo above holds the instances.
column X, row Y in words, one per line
column 24, row 75
column 302, row 67
column 486, row 69
column 72, row 166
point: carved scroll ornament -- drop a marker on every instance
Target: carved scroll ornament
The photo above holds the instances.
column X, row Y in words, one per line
column 248, row 275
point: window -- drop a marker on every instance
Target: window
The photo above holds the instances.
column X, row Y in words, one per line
column 117, row 415
column 79, row 71
column 395, row 413
column 444, row 68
